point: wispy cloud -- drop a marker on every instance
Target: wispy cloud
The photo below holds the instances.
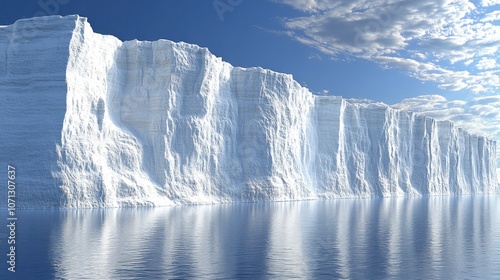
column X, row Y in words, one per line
column 493, row 16
column 451, row 42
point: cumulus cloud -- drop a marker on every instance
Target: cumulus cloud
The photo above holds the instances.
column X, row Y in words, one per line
column 486, row 63
column 431, row 40
column 487, row 3
column 480, row 115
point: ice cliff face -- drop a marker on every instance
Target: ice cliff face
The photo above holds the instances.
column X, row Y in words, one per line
column 90, row 121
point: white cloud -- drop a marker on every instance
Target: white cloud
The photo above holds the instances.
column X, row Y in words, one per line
column 431, row 40
column 418, row 55
column 468, row 62
column 315, row 56
column 480, row 115
column 487, row 3
column 486, row 63
column 495, row 15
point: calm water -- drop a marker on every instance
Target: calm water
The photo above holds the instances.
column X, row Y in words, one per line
column 417, row 238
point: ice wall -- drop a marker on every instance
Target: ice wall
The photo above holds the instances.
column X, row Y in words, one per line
column 99, row 122
column 371, row 149
column 33, row 59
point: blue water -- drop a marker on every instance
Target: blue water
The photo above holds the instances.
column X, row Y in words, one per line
column 410, row 238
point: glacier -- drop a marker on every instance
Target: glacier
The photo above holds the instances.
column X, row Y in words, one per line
column 91, row 121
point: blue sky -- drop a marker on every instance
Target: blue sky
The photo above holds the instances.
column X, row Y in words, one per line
column 440, row 57
column 351, row 48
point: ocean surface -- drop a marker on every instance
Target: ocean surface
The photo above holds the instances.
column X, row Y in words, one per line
column 455, row 237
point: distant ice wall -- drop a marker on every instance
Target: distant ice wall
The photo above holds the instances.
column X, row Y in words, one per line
column 377, row 150
column 160, row 123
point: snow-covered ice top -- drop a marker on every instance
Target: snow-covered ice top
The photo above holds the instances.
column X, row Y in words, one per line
column 90, row 121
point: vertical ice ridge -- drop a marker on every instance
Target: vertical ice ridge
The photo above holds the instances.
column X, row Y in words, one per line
column 100, row 160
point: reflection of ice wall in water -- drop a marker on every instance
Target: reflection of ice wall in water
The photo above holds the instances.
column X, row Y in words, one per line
column 157, row 123
column 314, row 239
